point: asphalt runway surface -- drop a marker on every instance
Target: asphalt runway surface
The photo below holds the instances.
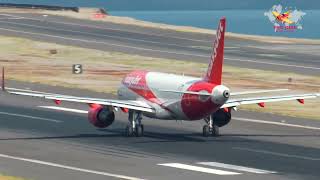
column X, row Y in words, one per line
column 297, row 58
column 41, row 143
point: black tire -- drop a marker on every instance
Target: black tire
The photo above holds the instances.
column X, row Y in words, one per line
column 215, row 131
column 205, row 131
column 129, row 131
column 139, row 130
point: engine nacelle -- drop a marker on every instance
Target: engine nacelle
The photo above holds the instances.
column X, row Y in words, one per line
column 221, row 117
column 100, row 116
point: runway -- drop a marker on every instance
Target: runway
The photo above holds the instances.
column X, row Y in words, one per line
column 302, row 59
column 40, row 140
column 41, row 143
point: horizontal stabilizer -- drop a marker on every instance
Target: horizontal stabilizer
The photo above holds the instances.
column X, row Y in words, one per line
column 257, row 92
column 187, row 92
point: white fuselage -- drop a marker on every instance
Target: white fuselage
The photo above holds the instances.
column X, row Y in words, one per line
column 153, row 88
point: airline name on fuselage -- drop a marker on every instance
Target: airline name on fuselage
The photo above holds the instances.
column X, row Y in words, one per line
column 132, row 81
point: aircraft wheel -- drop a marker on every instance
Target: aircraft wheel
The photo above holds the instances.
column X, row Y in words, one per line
column 129, row 131
column 205, row 131
column 215, row 131
column 139, row 130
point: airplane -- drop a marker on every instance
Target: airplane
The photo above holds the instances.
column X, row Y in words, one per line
column 283, row 18
column 171, row 97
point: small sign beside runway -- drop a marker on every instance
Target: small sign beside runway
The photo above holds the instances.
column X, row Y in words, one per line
column 77, row 69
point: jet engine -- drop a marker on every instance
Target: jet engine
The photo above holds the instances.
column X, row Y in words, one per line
column 100, row 116
column 221, row 117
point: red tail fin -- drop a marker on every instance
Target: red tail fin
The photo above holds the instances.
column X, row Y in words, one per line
column 214, row 71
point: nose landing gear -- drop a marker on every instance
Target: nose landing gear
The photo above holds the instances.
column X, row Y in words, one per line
column 210, row 128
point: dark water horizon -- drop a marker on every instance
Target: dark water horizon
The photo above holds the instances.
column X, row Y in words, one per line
column 165, row 5
column 251, row 22
column 242, row 21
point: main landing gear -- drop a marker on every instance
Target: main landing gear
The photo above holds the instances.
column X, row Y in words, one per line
column 210, row 128
column 134, row 127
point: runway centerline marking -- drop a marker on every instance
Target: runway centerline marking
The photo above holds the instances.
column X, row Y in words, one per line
column 199, row 169
column 65, row 109
column 277, row 154
column 237, row 168
column 34, row 161
column 154, row 50
column 275, row 123
column 234, row 118
column 31, row 117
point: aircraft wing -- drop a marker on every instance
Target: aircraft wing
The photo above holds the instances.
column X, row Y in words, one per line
column 129, row 104
column 262, row 100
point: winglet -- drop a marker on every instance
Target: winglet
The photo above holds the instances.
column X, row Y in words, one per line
column 3, row 88
column 214, row 72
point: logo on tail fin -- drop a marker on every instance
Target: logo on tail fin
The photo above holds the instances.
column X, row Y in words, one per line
column 216, row 43
column 214, row 71
column 215, row 47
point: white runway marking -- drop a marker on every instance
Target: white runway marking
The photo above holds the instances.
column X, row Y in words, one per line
column 70, row 167
column 114, row 29
column 100, row 42
column 64, row 109
column 93, row 34
column 199, row 169
column 277, row 154
column 237, row 168
column 234, row 118
column 31, row 117
column 271, row 55
column 275, row 123
column 272, row 63
column 11, row 16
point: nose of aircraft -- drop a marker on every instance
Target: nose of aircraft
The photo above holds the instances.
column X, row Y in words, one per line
column 220, row 94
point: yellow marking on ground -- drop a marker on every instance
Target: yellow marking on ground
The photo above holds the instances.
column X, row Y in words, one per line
column 5, row 177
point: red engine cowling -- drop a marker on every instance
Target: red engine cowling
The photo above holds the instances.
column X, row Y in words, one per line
column 221, row 117
column 100, row 116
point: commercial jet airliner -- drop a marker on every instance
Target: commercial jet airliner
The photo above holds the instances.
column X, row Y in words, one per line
column 172, row 97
